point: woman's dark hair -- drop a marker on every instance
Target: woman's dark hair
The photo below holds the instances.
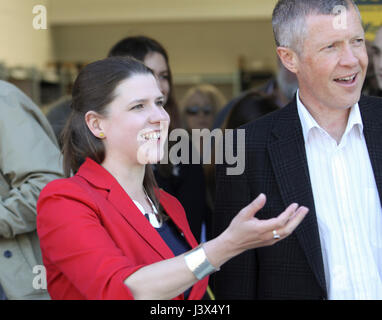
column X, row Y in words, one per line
column 250, row 106
column 139, row 47
column 93, row 90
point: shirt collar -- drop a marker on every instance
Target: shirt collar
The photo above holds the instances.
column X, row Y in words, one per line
column 308, row 122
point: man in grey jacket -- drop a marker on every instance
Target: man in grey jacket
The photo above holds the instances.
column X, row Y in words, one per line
column 29, row 159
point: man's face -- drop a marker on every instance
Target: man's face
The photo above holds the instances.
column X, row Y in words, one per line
column 332, row 66
column 377, row 57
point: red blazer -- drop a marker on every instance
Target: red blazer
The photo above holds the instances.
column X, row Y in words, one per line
column 93, row 237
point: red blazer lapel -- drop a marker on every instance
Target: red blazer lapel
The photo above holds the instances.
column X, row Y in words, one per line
column 120, row 200
column 123, row 203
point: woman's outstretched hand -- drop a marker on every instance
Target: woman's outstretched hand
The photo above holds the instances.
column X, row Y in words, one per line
column 247, row 232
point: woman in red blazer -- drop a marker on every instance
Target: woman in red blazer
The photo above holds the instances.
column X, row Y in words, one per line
column 108, row 232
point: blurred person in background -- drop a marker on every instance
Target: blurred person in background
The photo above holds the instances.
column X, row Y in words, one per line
column 370, row 86
column 57, row 115
column 59, row 111
column 29, row 159
column 282, row 86
column 184, row 181
column 377, row 60
column 251, row 106
column 199, row 107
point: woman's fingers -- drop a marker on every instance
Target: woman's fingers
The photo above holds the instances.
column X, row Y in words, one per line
column 279, row 230
column 296, row 220
column 280, row 220
column 246, row 231
column 256, row 205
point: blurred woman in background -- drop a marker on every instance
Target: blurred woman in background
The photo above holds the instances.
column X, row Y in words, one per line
column 200, row 105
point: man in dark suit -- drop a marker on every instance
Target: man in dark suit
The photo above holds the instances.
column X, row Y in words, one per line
column 322, row 151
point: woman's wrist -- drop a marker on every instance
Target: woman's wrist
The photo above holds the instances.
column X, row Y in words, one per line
column 220, row 249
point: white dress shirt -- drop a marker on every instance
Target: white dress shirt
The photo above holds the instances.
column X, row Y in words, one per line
column 347, row 206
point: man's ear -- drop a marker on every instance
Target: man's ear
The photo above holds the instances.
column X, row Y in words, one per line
column 288, row 58
column 94, row 122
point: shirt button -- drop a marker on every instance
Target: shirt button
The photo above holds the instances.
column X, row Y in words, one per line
column 7, row 254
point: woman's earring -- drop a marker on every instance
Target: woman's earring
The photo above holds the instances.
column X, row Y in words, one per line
column 101, row 135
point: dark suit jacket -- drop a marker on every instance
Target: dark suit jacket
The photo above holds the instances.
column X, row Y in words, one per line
column 276, row 165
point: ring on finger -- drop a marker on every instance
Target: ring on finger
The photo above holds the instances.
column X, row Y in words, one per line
column 275, row 235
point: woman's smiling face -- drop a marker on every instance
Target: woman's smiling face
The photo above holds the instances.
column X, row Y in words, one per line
column 135, row 126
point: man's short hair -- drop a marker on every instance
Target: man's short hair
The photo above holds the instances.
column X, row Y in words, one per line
column 289, row 17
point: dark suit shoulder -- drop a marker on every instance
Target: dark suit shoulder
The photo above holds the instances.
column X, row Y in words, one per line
column 279, row 122
column 371, row 111
column 370, row 102
column 262, row 122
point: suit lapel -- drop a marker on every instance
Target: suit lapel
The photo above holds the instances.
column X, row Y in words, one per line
column 119, row 199
column 289, row 162
column 372, row 121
